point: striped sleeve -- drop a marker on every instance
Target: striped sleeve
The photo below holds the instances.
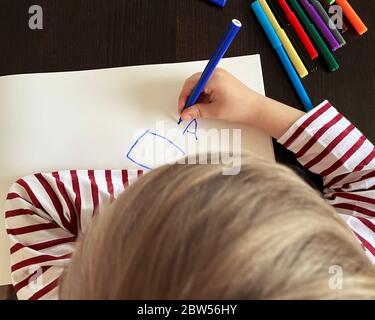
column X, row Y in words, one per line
column 327, row 144
column 44, row 215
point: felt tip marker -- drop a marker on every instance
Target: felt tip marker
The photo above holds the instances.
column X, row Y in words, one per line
column 332, row 11
column 288, row 28
column 327, row 20
column 352, row 16
column 289, row 48
column 220, row 3
column 319, row 23
column 221, row 49
column 277, row 45
column 301, row 33
column 324, row 51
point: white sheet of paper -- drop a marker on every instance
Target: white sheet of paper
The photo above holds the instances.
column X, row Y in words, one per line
column 89, row 120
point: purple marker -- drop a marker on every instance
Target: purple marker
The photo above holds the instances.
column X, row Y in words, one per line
column 319, row 23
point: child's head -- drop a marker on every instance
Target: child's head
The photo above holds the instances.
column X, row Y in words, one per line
column 189, row 232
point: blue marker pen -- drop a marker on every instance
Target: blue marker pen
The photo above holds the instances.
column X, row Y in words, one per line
column 220, row 3
column 223, row 46
column 276, row 44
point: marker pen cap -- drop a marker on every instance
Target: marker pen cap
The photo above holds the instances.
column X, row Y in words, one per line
column 220, row 3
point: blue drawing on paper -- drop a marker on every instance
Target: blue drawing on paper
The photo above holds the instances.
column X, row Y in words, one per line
column 146, row 141
column 192, row 128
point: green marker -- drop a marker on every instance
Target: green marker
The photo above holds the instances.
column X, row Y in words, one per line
column 330, row 1
column 322, row 47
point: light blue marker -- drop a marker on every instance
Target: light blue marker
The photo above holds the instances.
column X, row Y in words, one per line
column 223, row 46
column 276, row 44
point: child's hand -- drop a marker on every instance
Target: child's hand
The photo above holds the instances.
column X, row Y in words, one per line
column 224, row 97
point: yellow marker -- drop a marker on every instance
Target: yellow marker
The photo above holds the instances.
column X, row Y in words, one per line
column 293, row 55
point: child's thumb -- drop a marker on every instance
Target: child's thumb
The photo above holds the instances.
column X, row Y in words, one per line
column 195, row 112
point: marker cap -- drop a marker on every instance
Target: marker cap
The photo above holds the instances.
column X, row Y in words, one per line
column 220, row 3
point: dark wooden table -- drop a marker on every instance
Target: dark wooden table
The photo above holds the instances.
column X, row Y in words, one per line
column 88, row 34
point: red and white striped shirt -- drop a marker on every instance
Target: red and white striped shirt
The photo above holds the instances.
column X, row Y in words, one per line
column 45, row 212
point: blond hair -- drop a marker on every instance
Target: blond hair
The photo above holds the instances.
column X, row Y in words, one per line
column 189, row 232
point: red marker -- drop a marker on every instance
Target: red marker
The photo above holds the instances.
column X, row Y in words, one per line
column 298, row 29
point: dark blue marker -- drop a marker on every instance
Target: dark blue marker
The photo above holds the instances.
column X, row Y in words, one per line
column 222, row 48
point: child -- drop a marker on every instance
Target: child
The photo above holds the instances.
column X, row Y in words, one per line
column 189, row 232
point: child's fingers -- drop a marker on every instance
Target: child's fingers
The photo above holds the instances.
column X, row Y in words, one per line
column 182, row 99
column 187, row 89
column 199, row 110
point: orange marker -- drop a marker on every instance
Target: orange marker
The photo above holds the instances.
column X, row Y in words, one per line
column 352, row 16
